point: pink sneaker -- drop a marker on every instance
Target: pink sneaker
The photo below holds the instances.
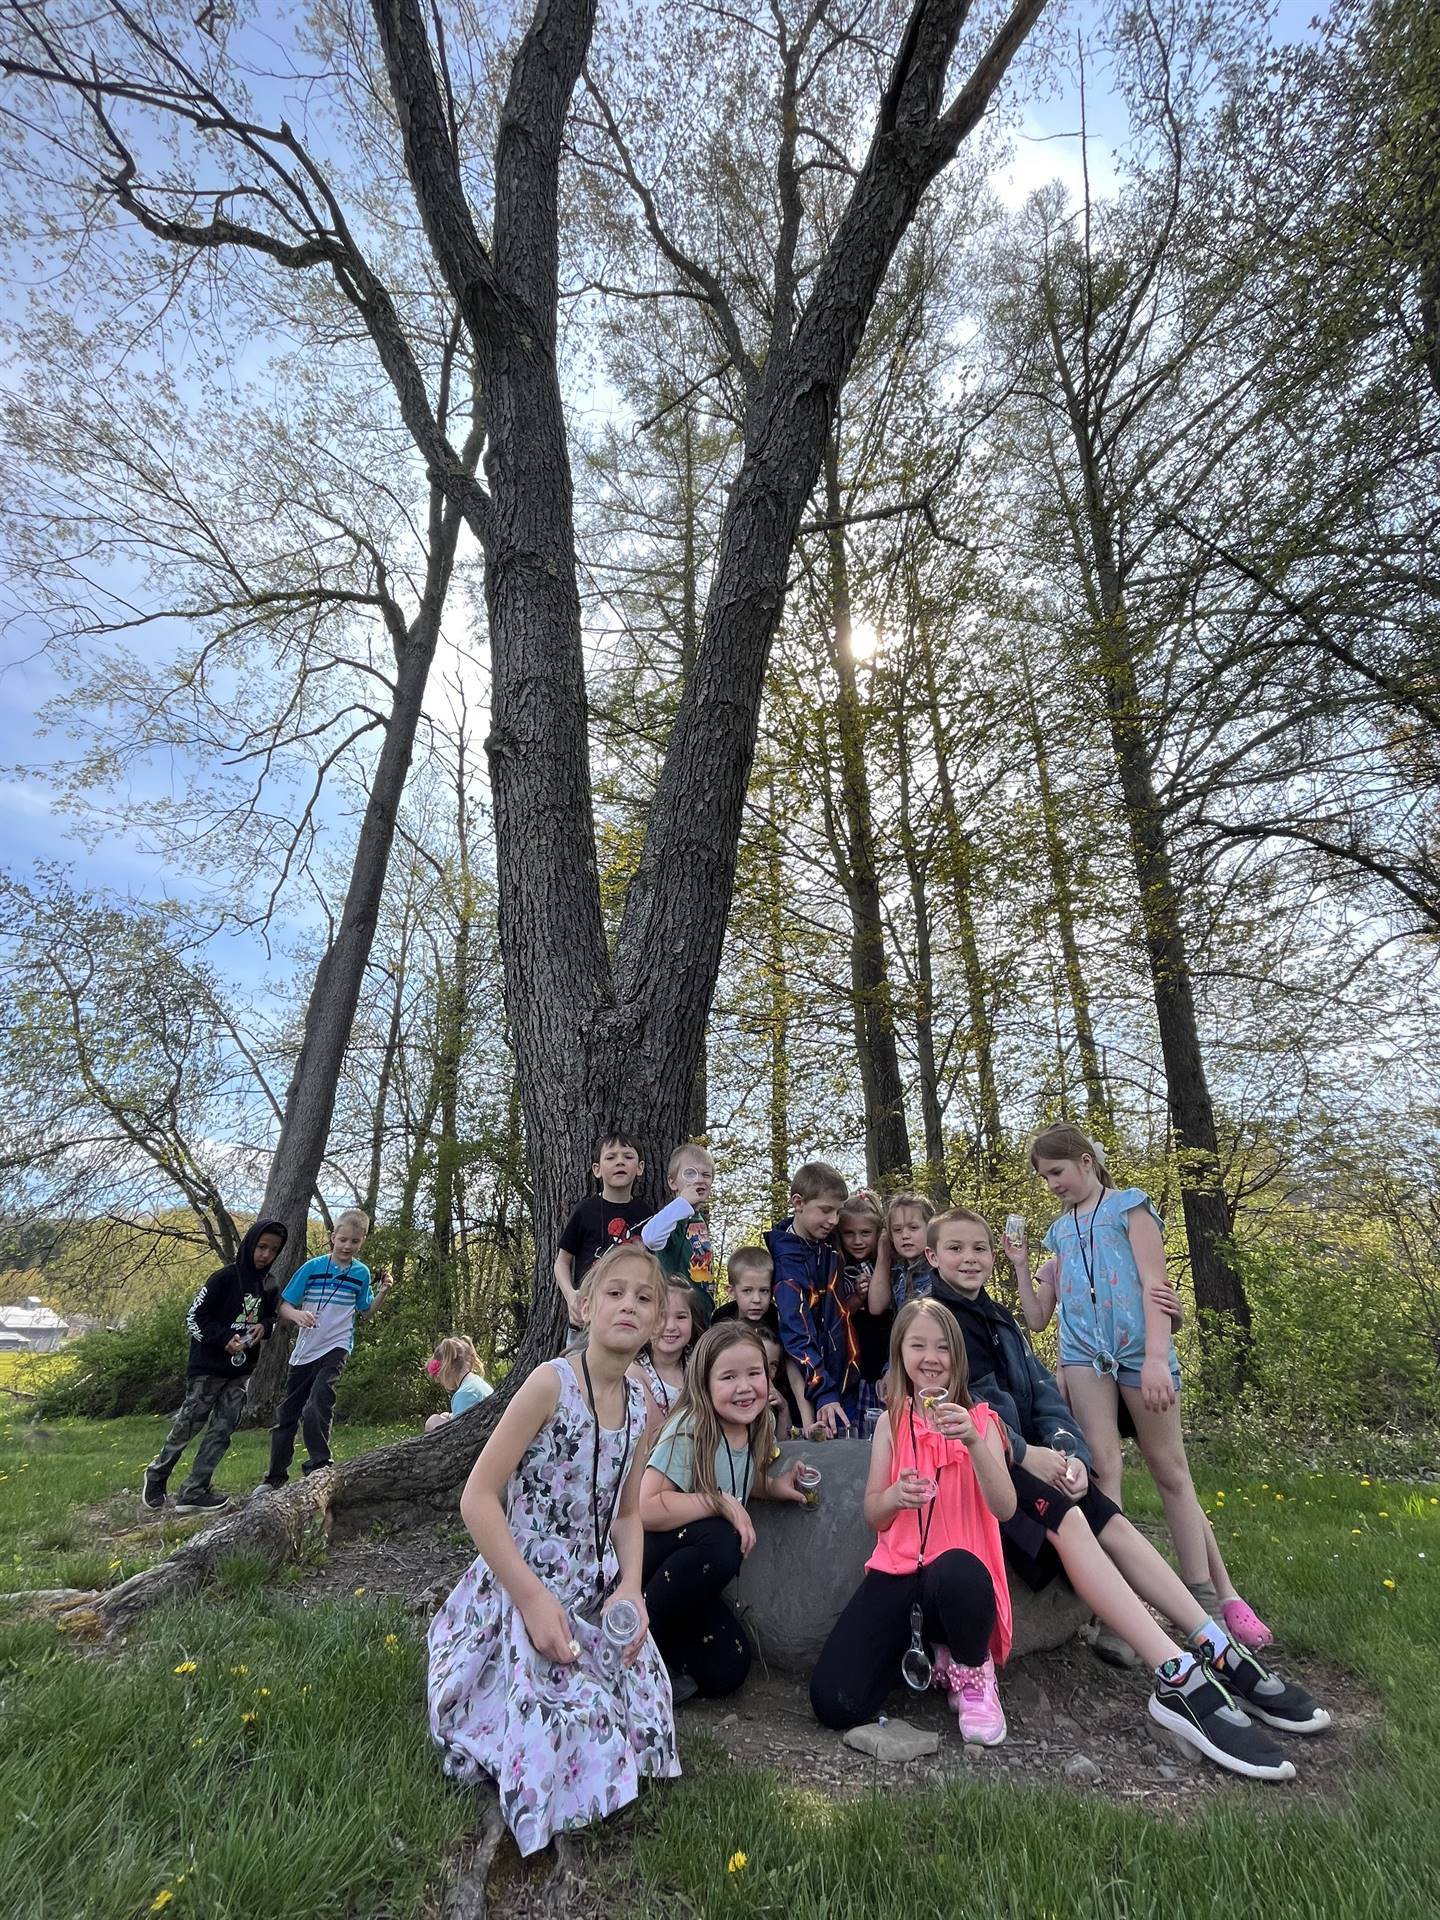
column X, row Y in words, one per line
column 977, row 1701
column 1242, row 1623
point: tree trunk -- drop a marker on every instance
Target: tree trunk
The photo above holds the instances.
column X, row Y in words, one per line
column 961, row 863
column 603, row 1043
column 936, row 1179
column 1219, row 1291
column 1097, row 1105
column 887, row 1137
column 335, row 993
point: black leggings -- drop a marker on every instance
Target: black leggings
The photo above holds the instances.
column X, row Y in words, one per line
column 686, row 1571
column 860, row 1662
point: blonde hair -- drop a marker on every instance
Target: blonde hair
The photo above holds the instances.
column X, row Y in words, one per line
column 352, row 1213
column 628, row 1250
column 695, row 1411
column 457, row 1357
column 909, row 1202
column 959, row 1363
column 677, row 1156
column 932, row 1231
column 862, row 1205
column 1064, row 1142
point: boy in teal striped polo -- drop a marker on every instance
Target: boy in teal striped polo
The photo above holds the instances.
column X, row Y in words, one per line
column 322, row 1299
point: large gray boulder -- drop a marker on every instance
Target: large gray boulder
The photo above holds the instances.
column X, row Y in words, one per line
column 807, row 1561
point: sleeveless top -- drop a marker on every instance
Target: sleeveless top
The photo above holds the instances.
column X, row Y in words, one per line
column 960, row 1515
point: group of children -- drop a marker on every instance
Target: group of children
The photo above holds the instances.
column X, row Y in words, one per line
column 229, row 1318
column 610, row 1506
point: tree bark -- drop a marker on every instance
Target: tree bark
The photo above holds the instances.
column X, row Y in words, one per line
column 887, row 1136
column 335, row 993
column 961, row 865
column 1097, row 1104
column 936, row 1178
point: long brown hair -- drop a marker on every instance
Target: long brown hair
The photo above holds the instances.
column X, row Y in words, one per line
column 1064, row 1142
column 959, row 1364
column 695, row 1412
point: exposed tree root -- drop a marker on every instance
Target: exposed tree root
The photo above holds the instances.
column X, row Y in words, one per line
column 47, row 1596
column 468, row 1898
column 419, row 1478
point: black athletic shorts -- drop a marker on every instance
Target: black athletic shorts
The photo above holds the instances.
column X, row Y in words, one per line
column 1038, row 1514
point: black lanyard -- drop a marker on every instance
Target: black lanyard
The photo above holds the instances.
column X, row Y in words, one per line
column 661, row 1391
column 602, row 1534
column 742, row 1492
column 1087, row 1259
column 923, row 1526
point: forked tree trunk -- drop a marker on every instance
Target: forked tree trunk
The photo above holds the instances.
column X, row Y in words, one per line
column 600, row 1041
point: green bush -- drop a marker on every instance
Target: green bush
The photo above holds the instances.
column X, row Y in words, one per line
column 1338, row 1344
column 385, row 1378
column 138, row 1368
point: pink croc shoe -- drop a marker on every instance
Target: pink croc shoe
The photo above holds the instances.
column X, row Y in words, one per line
column 1242, row 1623
column 977, row 1701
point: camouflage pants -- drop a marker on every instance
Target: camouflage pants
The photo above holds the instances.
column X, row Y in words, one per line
column 215, row 1403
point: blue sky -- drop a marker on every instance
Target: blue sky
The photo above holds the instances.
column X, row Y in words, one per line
column 36, row 828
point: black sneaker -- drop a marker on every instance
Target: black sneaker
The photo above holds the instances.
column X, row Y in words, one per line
column 1264, row 1695
column 152, row 1491
column 1198, row 1711
column 206, row 1502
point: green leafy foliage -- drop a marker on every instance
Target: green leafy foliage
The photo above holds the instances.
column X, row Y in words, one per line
column 137, row 1368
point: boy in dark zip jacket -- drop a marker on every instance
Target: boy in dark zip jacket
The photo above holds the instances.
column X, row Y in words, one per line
column 820, row 1345
column 228, row 1318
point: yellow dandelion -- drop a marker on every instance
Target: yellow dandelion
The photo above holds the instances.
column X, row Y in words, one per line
column 186, row 1666
column 737, row 1863
column 1364, row 1483
column 1356, row 1533
column 161, row 1900
column 248, row 1719
column 1383, row 1514
column 114, row 1566
column 359, row 1593
column 264, row 1692
column 1389, row 1585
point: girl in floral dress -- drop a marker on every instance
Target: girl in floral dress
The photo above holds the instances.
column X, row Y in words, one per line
column 519, row 1686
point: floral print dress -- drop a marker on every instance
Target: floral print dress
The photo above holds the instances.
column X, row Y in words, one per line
column 565, row 1746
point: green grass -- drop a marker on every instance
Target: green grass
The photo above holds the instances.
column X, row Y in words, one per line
column 1321, row 1554
column 329, row 1802
column 251, row 1758
column 53, row 1479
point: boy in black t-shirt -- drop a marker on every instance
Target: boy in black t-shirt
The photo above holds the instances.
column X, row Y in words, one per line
column 602, row 1220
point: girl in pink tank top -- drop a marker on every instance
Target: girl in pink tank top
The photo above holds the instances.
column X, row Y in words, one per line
column 934, row 1598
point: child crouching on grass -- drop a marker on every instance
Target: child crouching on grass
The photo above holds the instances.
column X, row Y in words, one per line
column 524, row 1685
column 455, row 1367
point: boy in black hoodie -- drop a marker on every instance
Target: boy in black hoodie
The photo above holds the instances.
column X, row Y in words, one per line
column 229, row 1317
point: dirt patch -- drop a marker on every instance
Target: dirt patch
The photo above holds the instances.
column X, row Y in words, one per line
column 1074, row 1723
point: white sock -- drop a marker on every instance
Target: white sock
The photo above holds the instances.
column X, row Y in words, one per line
column 1211, row 1636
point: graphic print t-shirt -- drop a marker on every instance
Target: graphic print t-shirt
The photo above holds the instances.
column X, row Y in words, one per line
column 595, row 1226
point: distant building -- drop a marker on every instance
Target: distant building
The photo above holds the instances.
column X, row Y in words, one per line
column 31, row 1328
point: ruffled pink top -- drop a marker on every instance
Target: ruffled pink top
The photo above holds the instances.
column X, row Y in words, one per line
column 961, row 1517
